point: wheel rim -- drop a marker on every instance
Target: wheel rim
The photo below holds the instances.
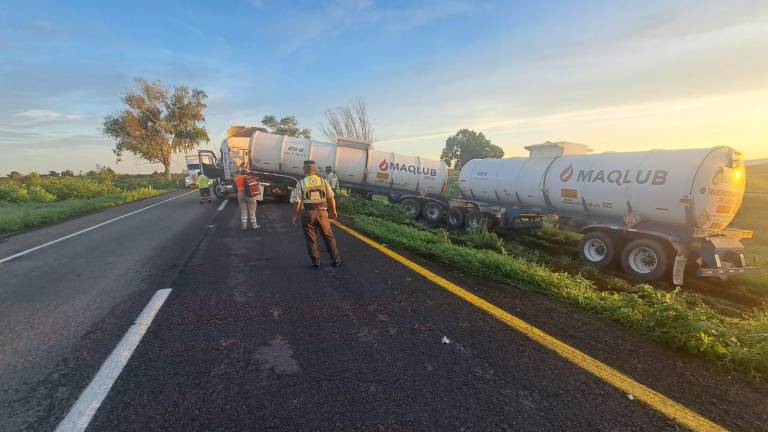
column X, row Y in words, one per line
column 453, row 219
column 433, row 212
column 595, row 250
column 410, row 208
column 643, row 260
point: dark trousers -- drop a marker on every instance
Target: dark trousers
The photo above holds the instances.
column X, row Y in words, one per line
column 315, row 220
column 205, row 193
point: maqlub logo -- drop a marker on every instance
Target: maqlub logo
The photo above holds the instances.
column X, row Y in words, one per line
column 566, row 174
column 383, row 165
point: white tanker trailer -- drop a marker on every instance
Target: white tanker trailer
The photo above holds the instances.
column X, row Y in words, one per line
column 279, row 160
column 651, row 211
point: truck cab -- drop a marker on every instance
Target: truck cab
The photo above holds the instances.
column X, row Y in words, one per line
column 235, row 156
column 192, row 169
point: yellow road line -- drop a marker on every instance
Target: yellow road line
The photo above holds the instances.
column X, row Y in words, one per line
column 652, row 398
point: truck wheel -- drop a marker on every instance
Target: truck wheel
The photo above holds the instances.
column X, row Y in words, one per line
column 645, row 259
column 597, row 249
column 219, row 191
column 432, row 212
column 455, row 218
column 412, row 207
column 476, row 219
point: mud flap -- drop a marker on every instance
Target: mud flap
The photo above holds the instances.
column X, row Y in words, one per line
column 678, row 268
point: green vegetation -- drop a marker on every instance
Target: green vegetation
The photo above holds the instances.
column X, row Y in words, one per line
column 757, row 178
column 679, row 319
column 754, row 215
column 27, row 201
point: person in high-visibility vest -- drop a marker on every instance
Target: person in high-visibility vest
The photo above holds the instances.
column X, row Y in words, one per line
column 331, row 178
column 316, row 196
column 204, row 186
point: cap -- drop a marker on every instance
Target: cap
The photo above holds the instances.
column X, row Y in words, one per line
column 310, row 163
column 328, row 168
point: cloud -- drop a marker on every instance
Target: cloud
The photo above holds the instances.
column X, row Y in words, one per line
column 46, row 115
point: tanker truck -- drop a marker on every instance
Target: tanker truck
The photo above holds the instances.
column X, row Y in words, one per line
column 278, row 162
column 650, row 212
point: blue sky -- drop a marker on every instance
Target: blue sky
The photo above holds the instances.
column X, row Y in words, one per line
column 614, row 75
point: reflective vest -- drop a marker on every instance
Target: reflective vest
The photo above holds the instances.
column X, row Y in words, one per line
column 313, row 190
column 202, row 182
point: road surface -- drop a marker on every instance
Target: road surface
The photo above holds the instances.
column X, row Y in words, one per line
column 252, row 338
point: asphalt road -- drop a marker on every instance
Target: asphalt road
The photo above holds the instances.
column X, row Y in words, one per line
column 252, row 338
column 64, row 307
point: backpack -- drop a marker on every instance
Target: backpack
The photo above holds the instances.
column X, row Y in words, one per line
column 251, row 187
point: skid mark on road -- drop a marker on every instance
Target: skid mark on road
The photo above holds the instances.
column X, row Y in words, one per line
column 650, row 397
column 90, row 400
column 22, row 253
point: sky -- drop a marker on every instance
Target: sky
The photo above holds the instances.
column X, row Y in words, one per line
column 616, row 75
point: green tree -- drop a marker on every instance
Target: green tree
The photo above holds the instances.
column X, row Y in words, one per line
column 67, row 173
column 467, row 145
column 53, row 173
column 157, row 123
column 285, row 126
column 15, row 176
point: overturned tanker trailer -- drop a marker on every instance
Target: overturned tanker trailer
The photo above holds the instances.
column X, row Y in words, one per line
column 279, row 160
column 651, row 212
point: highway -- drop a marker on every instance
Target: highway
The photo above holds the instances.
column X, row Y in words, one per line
column 250, row 337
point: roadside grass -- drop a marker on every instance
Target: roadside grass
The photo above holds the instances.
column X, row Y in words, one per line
column 18, row 216
column 754, row 215
column 678, row 319
column 32, row 199
column 757, row 178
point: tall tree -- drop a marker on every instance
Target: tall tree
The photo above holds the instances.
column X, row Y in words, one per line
column 467, row 145
column 157, row 123
column 285, row 126
column 350, row 122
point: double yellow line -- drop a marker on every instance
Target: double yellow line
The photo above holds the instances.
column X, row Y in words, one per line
column 654, row 399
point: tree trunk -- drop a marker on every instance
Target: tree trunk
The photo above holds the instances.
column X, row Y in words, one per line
column 167, row 172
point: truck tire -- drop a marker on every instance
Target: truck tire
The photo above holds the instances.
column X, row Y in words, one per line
column 218, row 192
column 476, row 219
column 597, row 249
column 645, row 259
column 455, row 218
column 432, row 212
column 412, row 207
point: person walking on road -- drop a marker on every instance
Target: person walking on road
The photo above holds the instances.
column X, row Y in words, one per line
column 332, row 179
column 248, row 192
column 316, row 196
column 204, row 186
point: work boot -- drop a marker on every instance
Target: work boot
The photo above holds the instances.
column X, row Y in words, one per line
column 337, row 263
column 256, row 226
column 316, row 266
column 243, row 226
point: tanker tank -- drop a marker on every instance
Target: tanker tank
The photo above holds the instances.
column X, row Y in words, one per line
column 692, row 188
column 356, row 164
column 651, row 212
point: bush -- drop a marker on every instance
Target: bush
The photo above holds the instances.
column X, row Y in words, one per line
column 38, row 194
column 12, row 192
column 77, row 188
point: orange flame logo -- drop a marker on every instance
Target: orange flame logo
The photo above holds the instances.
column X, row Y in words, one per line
column 383, row 165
